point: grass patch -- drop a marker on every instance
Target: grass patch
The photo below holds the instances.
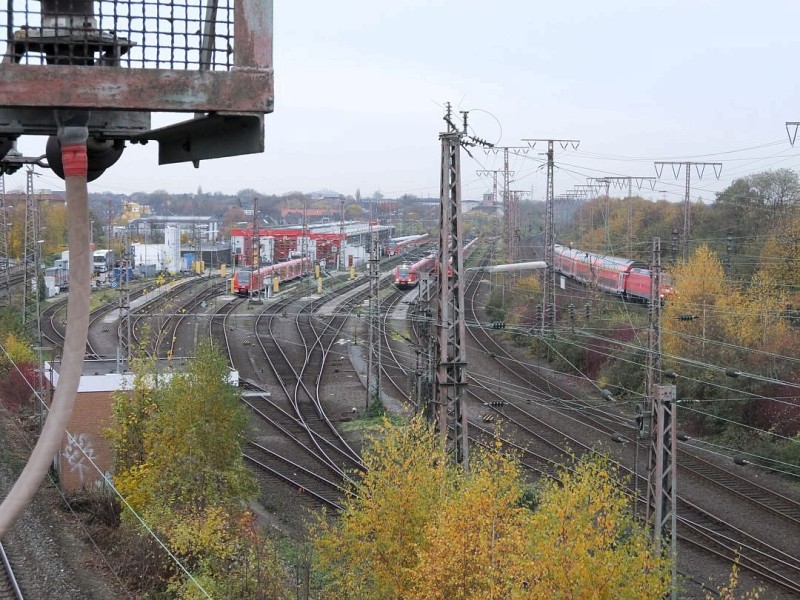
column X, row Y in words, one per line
column 372, row 422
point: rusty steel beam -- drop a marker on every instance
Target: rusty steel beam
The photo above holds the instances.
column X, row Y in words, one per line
column 110, row 88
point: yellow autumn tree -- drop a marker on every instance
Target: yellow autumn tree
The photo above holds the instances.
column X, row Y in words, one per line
column 178, row 447
column 754, row 316
column 372, row 549
column 418, row 527
column 477, row 541
column 54, row 225
column 780, row 256
column 693, row 316
column 17, row 350
column 585, row 542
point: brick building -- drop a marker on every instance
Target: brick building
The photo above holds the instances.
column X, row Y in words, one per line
column 85, row 456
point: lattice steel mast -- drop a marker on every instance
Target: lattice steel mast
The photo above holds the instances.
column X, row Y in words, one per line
column 451, row 377
column 661, row 480
column 30, row 296
column 549, row 287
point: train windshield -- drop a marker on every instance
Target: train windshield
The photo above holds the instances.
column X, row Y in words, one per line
column 403, row 271
column 244, row 277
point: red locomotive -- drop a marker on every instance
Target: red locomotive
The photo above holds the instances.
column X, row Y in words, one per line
column 247, row 281
column 627, row 278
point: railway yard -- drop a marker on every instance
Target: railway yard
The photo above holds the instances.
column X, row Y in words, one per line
column 302, row 366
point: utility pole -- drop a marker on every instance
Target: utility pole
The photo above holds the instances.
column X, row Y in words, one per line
column 425, row 351
column 508, row 224
column 687, row 214
column 661, row 481
column 589, row 193
column 605, row 183
column 493, row 173
column 451, row 376
column 516, row 234
column 4, row 237
column 374, row 362
column 256, row 249
column 549, row 287
column 304, row 248
column 342, row 238
column 110, row 226
column 31, row 267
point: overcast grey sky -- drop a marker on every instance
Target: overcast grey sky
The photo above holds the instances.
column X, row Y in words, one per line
column 360, row 87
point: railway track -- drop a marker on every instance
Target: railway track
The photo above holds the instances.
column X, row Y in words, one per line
column 293, row 442
column 527, row 388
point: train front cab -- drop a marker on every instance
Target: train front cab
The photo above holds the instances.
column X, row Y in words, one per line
column 242, row 281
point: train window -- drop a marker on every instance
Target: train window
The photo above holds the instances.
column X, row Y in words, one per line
column 403, row 271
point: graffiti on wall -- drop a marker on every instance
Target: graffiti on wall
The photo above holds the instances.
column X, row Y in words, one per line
column 79, row 454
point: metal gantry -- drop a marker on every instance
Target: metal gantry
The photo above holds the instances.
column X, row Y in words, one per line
column 687, row 207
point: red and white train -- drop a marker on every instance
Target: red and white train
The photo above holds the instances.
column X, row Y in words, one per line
column 247, row 281
column 627, row 278
column 406, row 276
column 399, row 245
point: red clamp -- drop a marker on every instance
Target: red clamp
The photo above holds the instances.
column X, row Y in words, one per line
column 74, row 159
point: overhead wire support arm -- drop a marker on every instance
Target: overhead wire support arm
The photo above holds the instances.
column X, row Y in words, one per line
column 792, row 134
column 700, row 168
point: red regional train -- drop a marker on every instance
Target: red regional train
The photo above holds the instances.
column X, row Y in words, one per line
column 627, row 278
column 245, row 281
column 406, row 276
column 405, row 243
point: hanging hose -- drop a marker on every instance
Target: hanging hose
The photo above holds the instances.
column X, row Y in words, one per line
column 72, row 133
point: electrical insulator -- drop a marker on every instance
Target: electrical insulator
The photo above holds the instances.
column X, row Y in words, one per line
column 686, row 317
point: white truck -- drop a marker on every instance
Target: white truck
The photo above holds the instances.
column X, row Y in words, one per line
column 103, row 260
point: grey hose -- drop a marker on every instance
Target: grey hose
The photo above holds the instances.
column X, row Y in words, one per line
column 72, row 134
